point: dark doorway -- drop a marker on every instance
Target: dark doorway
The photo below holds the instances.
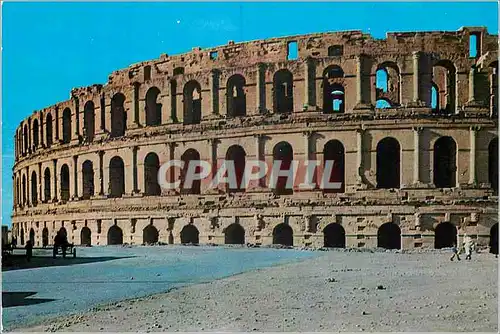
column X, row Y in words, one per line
column 118, row 115
column 334, row 151
column 388, row 163
column 36, row 132
column 445, row 163
column 89, row 121
column 333, row 92
column 32, row 236
column 150, row 235
column 190, row 235
column 334, row 236
column 283, row 152
column 235, row 95
column 234, row 234
column 65, row 183
column 494, row 239
column 237, row 155
column 493, row 165
column 389, row 236
column 153, row 108
column 151, row 168
column 85, row 236
column 46, row 188
column 66, row 128
column 283, row 92
column 192, row 103
column 45, row 237
column 445, row 235
column 283, row 235
column 88, row 179
column 34, row 189
column 195, row 187
column 116, row 177
column 115, row 235
column 48, row 130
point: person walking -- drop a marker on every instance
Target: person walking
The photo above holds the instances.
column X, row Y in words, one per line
column 455, row 252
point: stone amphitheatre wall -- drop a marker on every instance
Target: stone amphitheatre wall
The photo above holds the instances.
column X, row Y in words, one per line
column 412, row 118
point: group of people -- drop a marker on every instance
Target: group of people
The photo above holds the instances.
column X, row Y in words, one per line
column 60, row 240
column 468, row 248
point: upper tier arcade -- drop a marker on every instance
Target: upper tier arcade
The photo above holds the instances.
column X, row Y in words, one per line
column 337, row 74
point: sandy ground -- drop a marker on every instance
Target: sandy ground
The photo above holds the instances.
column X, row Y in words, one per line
column 339, row 291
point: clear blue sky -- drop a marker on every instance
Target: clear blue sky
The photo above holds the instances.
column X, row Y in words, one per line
column 49, row 48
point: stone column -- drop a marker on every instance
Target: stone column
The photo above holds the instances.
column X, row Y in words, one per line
column 472, row 73
column 416, row 154
column 416, row 74
column 359, row 155
column 307, row 65
column 472, row 155
column 54, row 188
column 75, row 177
column 359, row 82
column 261, row 89
column 214, row 92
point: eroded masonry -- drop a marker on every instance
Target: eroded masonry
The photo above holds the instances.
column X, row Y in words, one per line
column 411, row 121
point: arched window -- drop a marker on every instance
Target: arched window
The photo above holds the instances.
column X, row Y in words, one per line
column 283, row 152
column 25, row 137
column 333, row 151
column 151, row 168
column 195, row 187
column 116, row 177
column 444, row 78
column 445, row 163
column 283, row 92
column 36, row 130
column 192, row 103
column 235, row 96
column 85, row 236
column 89, row 121
column 388, row 163
column 153, row 108
column 388, row 85
column 234, row 234
column 65, row 183
column 47, row 184
column 283, row 235
column 190, row 235
column 118, row 115
column 150, row 235
column 66, row 128
column 34, row 189
column 493, row 165
column 48, row 130
column 333, row 91
column 334, row 236
column 115, row 235
column 88, row 179
column 237, row 155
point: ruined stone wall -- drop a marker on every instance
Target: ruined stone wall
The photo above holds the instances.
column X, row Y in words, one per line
column 150, row 108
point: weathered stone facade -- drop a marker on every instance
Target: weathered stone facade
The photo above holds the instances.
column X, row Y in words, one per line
column 83, row 164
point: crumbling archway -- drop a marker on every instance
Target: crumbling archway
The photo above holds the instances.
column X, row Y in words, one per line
column 389, row 236
column 118, row 115
column 334, row 236
column 388, row 163
column 334, row 151
column 150, row 235
column 116, row 177
column 153, row 108
column 234, row 234
column 66, row 126
column 494, row 239
column 283, row 152
column 283, row 235
column 445, row 163
column 283, row 92
column 190, row 235
column 85, row 236
column 235, row 96
column 65, row 183
column 192, row 102
column 445, row 235
column 444, row 76
column 237, row 155
column 187, row 157
column 333, row 91
column 388, row 85
column 115, row 235
column 88, row 179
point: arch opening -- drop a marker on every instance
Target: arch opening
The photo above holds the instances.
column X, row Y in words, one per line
column 493, row 165
column 190, row 235
column 66, row 126
column 151, row 168
column 234, row 235
column 237, row 155
column 445, row 235
column 34, row 189
column 334, row 236
column 150, row 235
column 118, row 116
column 235, row 94
column 444, row 81
column 88, row 122
column 153, row 108
column 333, row 91
column 387, row 85
column 65, row 183
column 88, row 179
column 494, row 239
column 283, row 92
column 116, row 177
column 115, row 235
column 283, row 152
column 47, row 185
column 45, row 237
column 85, row 236
column 333, row 151
column 48, row 130
column 389, row 236
column 283, row 235
column 445, row 163
column 388, row 163
column 32, row 236
column 191, row 156
column 35, row 134
column 192, row 103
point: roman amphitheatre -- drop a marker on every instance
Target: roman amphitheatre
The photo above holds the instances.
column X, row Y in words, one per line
column 410, row 121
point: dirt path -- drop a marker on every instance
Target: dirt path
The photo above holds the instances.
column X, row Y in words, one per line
column 335, row 292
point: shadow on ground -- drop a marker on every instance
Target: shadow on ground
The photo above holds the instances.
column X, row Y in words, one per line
column 16, row 262
column 10, row 299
